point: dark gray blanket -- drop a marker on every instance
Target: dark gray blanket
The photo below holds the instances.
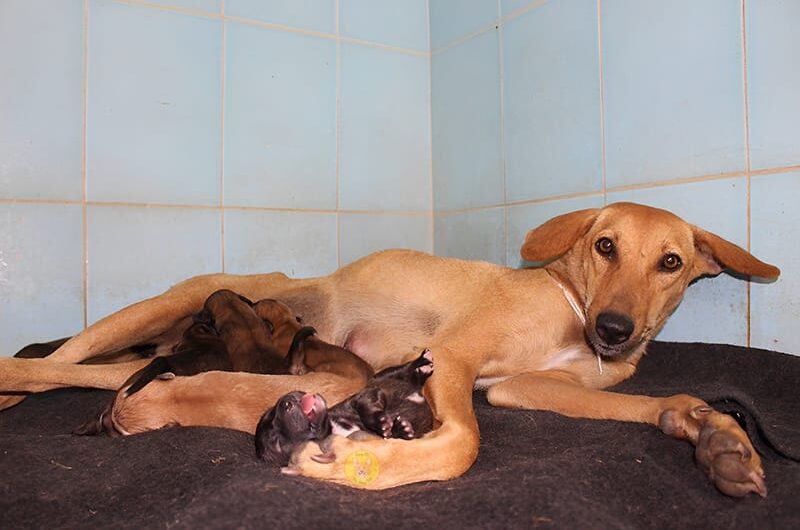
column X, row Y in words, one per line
column 535, row 469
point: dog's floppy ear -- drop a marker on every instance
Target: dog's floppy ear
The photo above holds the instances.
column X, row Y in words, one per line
column 716, row 254
column 556, row 236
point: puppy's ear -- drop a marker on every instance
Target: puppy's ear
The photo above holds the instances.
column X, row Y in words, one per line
column 715, row 254
column 265, row 438
column 204, row 317
column 555, row 237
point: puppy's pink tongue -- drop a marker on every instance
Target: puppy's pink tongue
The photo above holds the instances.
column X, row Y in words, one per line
column 307, row 402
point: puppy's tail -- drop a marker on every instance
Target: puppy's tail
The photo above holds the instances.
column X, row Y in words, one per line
column 157, row 366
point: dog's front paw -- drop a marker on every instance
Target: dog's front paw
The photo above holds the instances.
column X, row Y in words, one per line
column 343, row 461
column 722, row 448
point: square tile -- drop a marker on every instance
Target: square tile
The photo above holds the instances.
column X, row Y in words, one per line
column 385, row 144
column 552, row 101
column 41, row 273
column 362, row 234
column 475, row 235
column 280, row 119
column 673, row 89
column 403, row 24
column 314, row 15
column 525, row 217
column 713, row 309
column 294, row 243
column 212, row 6
column 775, row 307
column 773, row 82
column 453, row 19
column 467, row 158
column 139, row 252
column 154, row 125
column 41, row 99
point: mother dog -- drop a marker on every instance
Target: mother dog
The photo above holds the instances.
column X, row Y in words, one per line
column 549, row 338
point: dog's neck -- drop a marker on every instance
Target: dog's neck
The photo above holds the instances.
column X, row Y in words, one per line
column 574, row 303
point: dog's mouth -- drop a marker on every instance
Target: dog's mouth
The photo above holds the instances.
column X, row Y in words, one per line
column 313, row 405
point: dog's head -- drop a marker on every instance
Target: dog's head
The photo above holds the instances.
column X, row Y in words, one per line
column 295, row 419
column 628, row 265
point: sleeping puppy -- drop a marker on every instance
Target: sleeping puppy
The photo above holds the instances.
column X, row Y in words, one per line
column 391, row 406
column 319, row 356
column 226, row 335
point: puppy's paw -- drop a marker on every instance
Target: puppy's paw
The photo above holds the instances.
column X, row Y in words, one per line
column 424, row 364
column 386, row 425
column 402, row 428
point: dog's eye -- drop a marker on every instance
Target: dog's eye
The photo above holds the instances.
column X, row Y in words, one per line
column 604, row 246
column 288, row 405
column 671, row 262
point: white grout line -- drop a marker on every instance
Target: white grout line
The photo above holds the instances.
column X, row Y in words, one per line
column 430, row 132
column 747, row 166
column 84, row 179
column 338, row 125
column 501, row 85
column 602, row 103
column 222, row 82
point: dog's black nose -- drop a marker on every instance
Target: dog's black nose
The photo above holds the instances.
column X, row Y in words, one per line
column 613, row 328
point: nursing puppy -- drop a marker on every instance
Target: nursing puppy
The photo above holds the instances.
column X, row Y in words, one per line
column 226, row 335
column 391, row 406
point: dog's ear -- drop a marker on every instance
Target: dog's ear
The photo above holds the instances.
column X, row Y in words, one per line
column 715, row 254
column 556, row 236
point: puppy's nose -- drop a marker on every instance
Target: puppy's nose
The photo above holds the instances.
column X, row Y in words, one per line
column 613, row 328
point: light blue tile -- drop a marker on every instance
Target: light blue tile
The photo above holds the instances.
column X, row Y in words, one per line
column 154, row 106
column 297, row 244
column 362, row 234
column 525, row 217
column 773, row 82
column 452, row 19
column 212, row 6
column 41, row 100
column 509, row 6
column 41, row 273
column 467, row 159
column 315, row 15
column 280, row 119
column 673, row 89
column 403, row 24
column 136, row 253
column 775, row 307
column 713, row 310
column 385, row 133
column 476, row 235
column 552, row 101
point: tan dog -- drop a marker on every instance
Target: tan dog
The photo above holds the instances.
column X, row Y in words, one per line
column 548, row 338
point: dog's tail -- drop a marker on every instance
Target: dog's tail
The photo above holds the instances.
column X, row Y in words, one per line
column 157, row 367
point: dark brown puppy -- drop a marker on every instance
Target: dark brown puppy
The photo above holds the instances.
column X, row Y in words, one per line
column 391, row 406
column 319, row 355
column 226, row 335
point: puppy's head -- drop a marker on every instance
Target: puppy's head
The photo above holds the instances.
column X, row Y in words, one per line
column 281, row 318
column 628, row 266
column 295, row 419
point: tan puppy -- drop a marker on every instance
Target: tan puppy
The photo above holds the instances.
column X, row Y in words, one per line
column 548, row 338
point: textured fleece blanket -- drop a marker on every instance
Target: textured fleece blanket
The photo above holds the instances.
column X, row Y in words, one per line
column 535, row 469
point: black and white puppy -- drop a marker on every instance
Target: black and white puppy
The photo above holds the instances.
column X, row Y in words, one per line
column 390, row 406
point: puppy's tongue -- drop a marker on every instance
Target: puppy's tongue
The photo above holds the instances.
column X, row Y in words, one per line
column 307, row 403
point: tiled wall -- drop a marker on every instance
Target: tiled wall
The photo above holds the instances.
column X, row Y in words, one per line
column 145, row 142
column 542, row 107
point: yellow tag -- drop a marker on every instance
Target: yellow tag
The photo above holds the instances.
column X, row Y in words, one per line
column 361, row 467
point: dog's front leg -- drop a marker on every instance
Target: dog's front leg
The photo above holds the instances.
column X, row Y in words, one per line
column 442, row 454
column 722, row 448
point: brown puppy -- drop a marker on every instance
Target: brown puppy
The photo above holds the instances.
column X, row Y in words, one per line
column 549, row 338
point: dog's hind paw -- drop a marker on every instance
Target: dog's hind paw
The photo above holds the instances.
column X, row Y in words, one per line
column 722, row 448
